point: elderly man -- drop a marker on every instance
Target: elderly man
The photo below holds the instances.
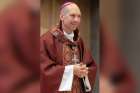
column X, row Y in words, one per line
column 66, row 65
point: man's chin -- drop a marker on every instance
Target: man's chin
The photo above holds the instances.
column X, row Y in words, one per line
column 74, row 28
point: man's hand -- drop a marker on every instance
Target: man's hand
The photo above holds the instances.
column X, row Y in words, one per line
column 80, row 70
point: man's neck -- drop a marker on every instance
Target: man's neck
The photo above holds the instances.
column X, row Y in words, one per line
column 67, row 30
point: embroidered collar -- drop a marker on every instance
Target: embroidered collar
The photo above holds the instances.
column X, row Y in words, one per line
column 56, row 32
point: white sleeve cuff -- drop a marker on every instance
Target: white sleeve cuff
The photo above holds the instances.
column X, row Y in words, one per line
column 67, row 79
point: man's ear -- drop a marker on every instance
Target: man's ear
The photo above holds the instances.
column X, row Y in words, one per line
column 61, row 17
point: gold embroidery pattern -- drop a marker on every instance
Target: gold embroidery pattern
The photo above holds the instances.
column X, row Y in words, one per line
column 71, row 56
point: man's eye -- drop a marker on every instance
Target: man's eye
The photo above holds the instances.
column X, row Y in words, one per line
column 79, row 16
column 72, row 15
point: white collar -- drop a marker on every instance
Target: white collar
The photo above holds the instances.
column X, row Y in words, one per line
column 69, row 36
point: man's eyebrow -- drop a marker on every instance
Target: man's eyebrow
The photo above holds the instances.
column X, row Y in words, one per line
column 75, row 14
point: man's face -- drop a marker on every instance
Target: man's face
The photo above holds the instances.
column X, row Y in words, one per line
column 71, row 17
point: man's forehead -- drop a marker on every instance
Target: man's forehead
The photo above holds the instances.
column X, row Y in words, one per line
column 71, row 8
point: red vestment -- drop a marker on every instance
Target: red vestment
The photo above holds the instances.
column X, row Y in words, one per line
column 56, row 54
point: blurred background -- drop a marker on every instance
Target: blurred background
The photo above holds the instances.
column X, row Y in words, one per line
column 110, row 29
column 121, row 19
column 19, row 46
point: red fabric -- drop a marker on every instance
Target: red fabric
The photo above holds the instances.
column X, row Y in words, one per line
column 52, row 66
column 19, row 47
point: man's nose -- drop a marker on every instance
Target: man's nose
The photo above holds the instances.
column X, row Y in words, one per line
column 76, row 19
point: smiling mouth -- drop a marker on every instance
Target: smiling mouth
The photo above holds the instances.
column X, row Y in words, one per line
column 74, row 24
